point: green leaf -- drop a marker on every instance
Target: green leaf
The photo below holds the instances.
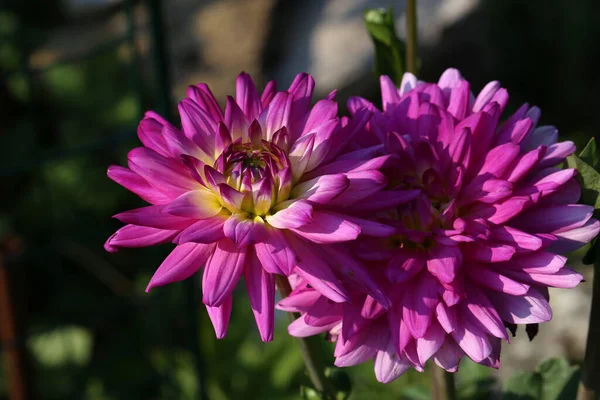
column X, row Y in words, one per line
column 389, row 49
column 553, row 379
column 589, row 179
column 589, row 154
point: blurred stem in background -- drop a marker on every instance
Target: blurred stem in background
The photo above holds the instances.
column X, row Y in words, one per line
column 411, row 36
column 444, row 387
column 310, row 352
column 589, row 387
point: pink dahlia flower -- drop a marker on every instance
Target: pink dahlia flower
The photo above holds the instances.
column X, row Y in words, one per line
column 475, row 252
column 255, row 191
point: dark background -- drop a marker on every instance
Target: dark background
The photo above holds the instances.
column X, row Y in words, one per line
column 75, row 81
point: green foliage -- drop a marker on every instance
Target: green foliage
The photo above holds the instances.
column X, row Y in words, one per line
column 389, row 49
column 553, row 379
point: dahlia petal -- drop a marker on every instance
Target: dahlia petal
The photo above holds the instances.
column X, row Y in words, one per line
column 231, row 198
column 355, row 104
column 300, row 154
column 300, row 302
column 363, row 346
column 486, row 95
column 322, row 112
column 316, row 272
column 154, row 217
column 343, row 166
column 389, row 93
column 420, row 302
column 328, row 227
column 460, row 147
column 261, row 291
column 449, row 79
column 247, row 96
column 443, row 262
column 198, row 125
column 459, row 100
column 268, row 93
column 557, row 153
column 299, row 328
column 515, row 133
column 480, row 311
column 540, row 262
column 446, row 316
column 167, row 176
column 531, row 308
column 385, row 200
column 409, row 82
column 243, row 231
column 501, row 212
column 222, row 272
column 219, row 316
column 570, row 193
column 362, row 184
column 321, row 189
column 178, row 144
column 136, row 184
column 520, row 240
column 554, row 219
column 323, row 312
column 541, row 136
column 298, row 213
column 493, row 280
column 198, row 204
column 472, row 340
column 404, row 265
column 448, row 356
column 564, row 278
column 202, row 95
column 208, row 230
column 527, row 163
column 499, row 160
column 322, row 145
column 429, row 344
column 388, row 366
column 277, row 114
column 573, row 239
column 488, row 191
column 275, row 253
column 401, row 336
column 150, row 134
column 182, row 263
column 137, row 236
column 236, row 120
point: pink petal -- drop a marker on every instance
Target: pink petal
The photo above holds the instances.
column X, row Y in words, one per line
column 540, row 262
column 322, row 189
column 521, row 241
column 446, row 317
column 575, row 238
column 247, row 96
column 261, row 291
column 554, row 219
column 222, row 272
column 155, row 217
column 150, row 134
column 323, row 312
column 493, row 280
column 168, row 176
column 299, row 328
column 243, row 231
column 532, row 308
column 197, row 204
column 137, row 236
column 479, row 310
column 404, row 265
column 448, row 356
column 208, row 230
column 473, row 341
column 198, row 125
column 420, row 300
column 388, row 366
column 486, row 94
column 182, row 263
column 565, row 278
column 362, row 185
column 276, row 254
column 268, row 93
column 557, row 153
column 389, row 92
column 409, row 82
column 444, row 261
column 316, row 272
column 236, row 121
column 298, row 213
column 328, row 227
column 300, row 302
column 136, row 184
column 429, row 344
column 219, row 316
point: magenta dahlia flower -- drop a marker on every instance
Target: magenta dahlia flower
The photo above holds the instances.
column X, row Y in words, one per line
column 475, row 252
column 256, row 191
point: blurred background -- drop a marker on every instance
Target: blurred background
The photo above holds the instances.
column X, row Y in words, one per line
column 75, row 79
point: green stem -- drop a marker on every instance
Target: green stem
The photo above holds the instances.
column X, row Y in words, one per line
column 444, row 387
column 314, row 367
column 589, row 386
column 411, row 36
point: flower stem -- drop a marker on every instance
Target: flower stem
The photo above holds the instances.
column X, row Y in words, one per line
column 589, row 386
column 411, row 36
column 310, row 353
column 444, row 387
